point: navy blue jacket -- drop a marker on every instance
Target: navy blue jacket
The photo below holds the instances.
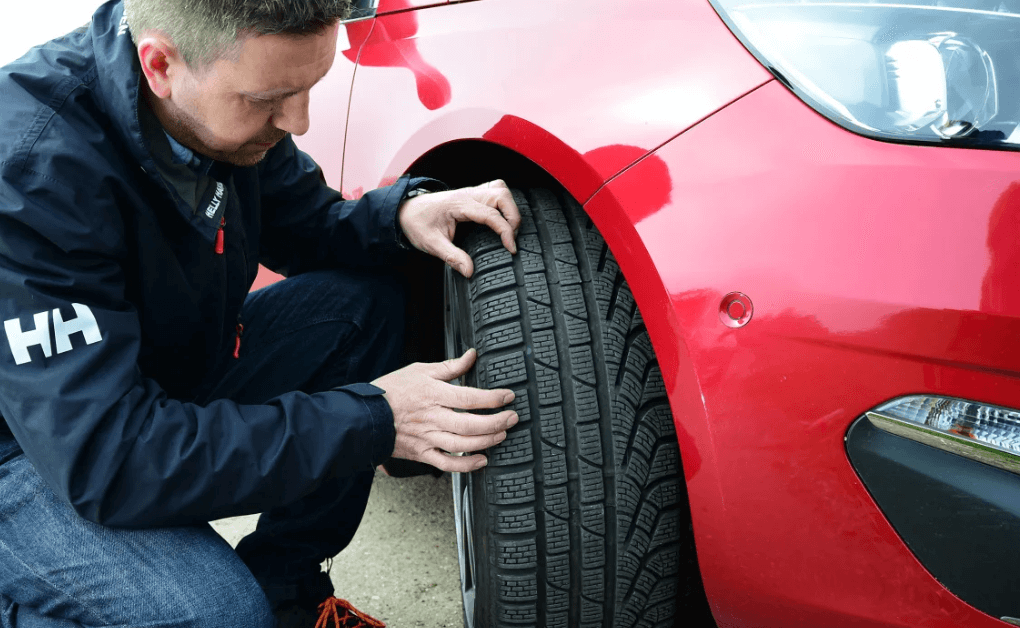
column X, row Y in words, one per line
column 115, row 302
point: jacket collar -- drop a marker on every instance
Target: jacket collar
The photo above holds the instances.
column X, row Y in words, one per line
column 198, row 196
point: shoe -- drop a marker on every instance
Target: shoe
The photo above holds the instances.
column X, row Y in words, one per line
column 296, row 616
column 344, row 615
column 294, row 602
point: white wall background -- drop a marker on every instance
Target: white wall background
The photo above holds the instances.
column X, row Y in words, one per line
column 26, row 24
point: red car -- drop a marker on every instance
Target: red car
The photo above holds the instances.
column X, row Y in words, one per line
column 763, row 323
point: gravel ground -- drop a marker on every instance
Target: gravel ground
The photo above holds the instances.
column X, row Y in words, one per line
column 402, row 565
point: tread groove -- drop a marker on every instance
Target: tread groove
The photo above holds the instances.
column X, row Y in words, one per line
column 604, row 405
column 628, row 345
column 565, row 373
column 536, row 438
column 617, row 284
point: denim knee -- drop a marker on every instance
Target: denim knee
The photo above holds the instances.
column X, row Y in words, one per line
column 250, row 611
column 224, row 604
column 212, row 605
column 97, row 576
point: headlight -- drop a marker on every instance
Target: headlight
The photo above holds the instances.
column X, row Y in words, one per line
column 989, row 434
column 944, row 71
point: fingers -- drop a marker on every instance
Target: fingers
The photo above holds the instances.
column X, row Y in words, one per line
column 470, row 433
column 455, row 443
column 454, row 433
column 467, row 398
column 454, row 464
column 493, row 219
column 432, row 424
column 454, row 367
column 506, row 205
column 498, row 211
column 442, row 442
column 454, row 256
column 467, row 424
column 429, row 221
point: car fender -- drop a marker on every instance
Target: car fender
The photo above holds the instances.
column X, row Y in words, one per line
column 536, row 84
column 415, row 93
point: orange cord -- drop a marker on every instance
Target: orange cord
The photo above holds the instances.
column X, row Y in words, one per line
column 344, row 615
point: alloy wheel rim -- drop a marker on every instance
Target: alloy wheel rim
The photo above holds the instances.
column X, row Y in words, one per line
column 462, row 502
column 463, row 493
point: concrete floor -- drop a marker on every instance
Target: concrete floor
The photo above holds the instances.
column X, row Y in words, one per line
column 402, row 565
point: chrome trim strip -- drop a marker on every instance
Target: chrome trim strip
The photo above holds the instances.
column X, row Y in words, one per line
column 968, row 448
column 1011, row 620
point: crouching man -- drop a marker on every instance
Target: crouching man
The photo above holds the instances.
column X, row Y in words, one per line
column 146, row 168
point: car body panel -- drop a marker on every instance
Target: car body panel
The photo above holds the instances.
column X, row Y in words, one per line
column 395, row 6
column 330, row 100
column 582, row 128
column 874, row 270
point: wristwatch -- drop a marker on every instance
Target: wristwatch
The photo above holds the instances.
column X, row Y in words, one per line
column 415, row 192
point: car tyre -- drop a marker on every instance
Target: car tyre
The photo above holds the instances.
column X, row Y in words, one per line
column 580, row 517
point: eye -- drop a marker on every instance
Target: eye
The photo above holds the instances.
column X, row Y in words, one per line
column 263, row 103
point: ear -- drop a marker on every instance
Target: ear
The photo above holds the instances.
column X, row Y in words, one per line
column 160, row 61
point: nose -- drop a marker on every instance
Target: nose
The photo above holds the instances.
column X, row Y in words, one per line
column 292, row 115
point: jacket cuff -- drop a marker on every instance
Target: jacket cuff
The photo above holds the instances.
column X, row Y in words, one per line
column 383, row 431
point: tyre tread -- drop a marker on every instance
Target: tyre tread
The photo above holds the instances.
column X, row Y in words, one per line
column 564, row 489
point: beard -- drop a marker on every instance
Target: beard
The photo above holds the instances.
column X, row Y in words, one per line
column 191, row 132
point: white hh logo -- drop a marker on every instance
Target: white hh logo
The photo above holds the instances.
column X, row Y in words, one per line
column 123, row 26
column 20, row 341
column 217, row 199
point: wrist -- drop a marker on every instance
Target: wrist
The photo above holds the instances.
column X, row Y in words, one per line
column 411, row 193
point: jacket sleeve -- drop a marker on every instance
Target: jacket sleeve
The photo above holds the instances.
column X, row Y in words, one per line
column 106, row 438
column 307, row 225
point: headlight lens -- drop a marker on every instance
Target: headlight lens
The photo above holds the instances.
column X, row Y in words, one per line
column 989, row 434
column 918, row 70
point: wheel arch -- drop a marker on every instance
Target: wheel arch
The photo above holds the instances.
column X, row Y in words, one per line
column 472, row 161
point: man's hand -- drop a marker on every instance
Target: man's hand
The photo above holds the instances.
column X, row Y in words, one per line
column 430, row 220
column 426, row 422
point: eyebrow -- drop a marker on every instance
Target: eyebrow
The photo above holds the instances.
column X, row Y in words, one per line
column 272, row 94
column 281, row 92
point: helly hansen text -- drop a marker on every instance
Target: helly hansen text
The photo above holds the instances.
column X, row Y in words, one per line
column 217, row 199
column 20, row 341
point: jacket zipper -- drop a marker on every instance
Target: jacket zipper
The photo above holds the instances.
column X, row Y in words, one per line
column 219, row 236
column 220, row 247
column 237, row 338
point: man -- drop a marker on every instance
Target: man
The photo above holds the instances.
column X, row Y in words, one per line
column 146, row 168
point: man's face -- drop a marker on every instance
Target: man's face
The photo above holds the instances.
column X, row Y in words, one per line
column 237, row 108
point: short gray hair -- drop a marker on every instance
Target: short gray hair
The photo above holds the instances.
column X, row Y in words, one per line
column 206, row 30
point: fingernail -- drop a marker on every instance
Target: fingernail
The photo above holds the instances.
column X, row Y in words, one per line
column 501, row 437
column 508, row 398
column 512, row 421
column 481, row 464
